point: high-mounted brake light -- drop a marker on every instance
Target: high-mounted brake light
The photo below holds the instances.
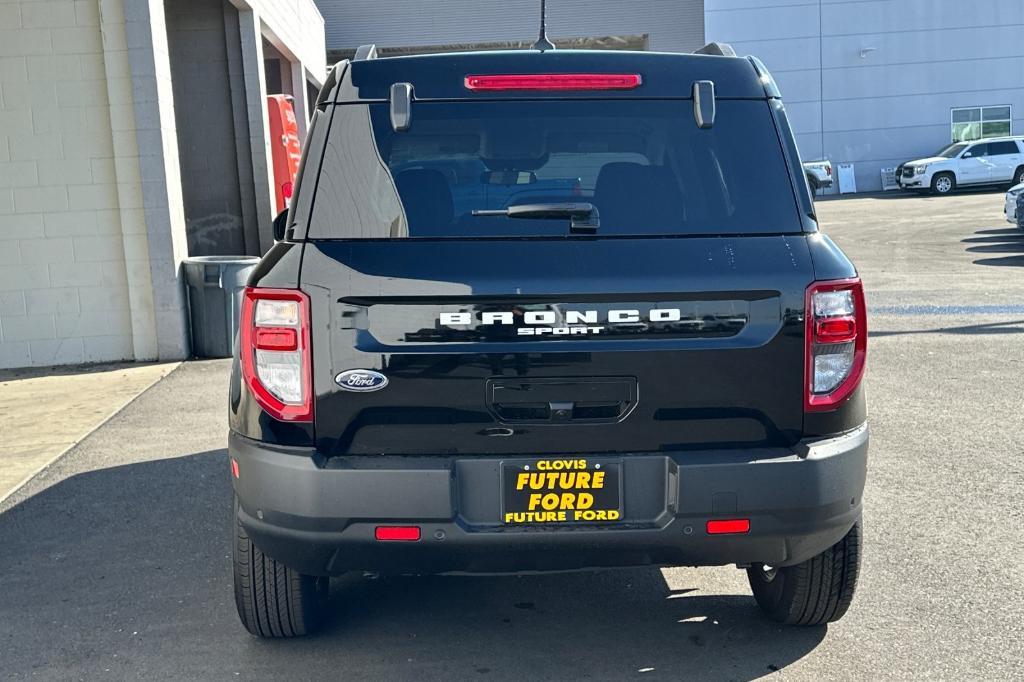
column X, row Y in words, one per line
column 274, row 350
column 836, row 341
column 554, row 81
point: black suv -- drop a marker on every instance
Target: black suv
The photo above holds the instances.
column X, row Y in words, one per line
column 532, row 311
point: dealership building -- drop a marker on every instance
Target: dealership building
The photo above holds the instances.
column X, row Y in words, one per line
column 134, row 133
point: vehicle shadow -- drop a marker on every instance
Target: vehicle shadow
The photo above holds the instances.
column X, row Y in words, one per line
column 896, row 195
column 995, row 241
column 127, row 569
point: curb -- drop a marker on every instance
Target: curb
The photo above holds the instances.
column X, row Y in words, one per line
column 53, row 460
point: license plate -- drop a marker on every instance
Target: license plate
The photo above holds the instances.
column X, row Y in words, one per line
column 561, row 490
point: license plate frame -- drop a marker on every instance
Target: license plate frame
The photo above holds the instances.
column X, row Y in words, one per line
column 607, row 502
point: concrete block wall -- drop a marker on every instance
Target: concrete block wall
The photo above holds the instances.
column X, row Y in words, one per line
column 92, row 214
column 63, row 279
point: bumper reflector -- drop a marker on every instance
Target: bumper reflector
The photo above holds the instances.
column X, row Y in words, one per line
column 234, row 467
column 727, row 526
column 398, row 533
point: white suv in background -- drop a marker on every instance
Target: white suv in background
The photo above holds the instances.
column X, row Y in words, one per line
column 992, row 161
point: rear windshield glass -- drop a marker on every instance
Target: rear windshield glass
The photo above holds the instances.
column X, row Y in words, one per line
column 643, row 164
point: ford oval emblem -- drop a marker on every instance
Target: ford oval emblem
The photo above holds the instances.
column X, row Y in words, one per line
column 361, row 380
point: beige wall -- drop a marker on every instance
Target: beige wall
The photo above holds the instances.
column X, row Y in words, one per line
column 63, row 279
column 92, row 226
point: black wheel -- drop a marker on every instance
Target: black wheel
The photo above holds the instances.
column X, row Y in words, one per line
column 815, row 592
column 943, row 183
column 272, row 599
column 1018, row 177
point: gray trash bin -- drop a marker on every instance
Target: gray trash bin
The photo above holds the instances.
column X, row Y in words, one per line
column 215, row 285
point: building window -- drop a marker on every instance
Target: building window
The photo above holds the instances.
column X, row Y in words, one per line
column 974, row 123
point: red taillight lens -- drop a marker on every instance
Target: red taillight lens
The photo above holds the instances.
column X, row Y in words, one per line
column 274, row 352
column 835, row 330
column 836, row 342
column 727, row 526
column 399, row 533
column 554, row 81
column 286, row 190
column 276, row 338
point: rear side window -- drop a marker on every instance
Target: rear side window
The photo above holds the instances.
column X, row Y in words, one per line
column 1002, row 148
column 643, row 163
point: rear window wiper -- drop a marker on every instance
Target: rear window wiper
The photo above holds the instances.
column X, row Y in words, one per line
column 583, row 216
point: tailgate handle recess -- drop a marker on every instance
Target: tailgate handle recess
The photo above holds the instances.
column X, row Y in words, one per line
column 561, row 401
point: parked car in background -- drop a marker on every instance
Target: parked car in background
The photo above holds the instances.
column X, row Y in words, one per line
column 819, row 174
column 993, row 161
column 1014, row 205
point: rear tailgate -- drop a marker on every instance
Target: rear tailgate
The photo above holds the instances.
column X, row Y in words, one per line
column 718, row 364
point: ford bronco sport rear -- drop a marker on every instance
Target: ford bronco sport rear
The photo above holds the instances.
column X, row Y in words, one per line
column 528, row 313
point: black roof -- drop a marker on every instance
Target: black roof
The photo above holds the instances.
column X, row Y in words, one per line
column 441, row 76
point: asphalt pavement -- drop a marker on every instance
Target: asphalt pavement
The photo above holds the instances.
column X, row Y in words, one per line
column 114, row 562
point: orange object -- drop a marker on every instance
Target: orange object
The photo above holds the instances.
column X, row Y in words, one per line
column 284, row 146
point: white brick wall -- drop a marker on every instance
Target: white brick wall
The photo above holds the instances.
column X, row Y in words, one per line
column 63, row 282
column 92, row 229
column 295, row 26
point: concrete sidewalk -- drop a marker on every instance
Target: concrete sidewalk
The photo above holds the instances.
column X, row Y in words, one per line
column 46, row 411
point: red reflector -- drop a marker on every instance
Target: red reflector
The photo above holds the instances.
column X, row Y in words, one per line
column 554, row 81
column 277, row 338
column 723, row 526
column 286, row 190
column 402, row 533
column 234, row 467
column 835, row 330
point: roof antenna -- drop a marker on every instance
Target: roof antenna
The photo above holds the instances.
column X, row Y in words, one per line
column 543, row 44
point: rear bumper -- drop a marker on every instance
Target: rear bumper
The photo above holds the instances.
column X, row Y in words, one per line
column 321, row 520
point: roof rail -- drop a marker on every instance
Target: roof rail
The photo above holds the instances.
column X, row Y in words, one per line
column 717, row 49
column 364, row 52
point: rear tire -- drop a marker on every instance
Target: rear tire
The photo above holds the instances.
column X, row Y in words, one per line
column 1018, row 177
column 815, row 592
column 272, row 599
column 943, row 183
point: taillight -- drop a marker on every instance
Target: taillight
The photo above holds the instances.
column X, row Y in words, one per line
column 554, row 81
column 274, row 350
column 836, row 342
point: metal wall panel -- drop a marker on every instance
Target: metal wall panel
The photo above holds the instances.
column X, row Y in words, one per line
column 872, row 82
column 673, row 25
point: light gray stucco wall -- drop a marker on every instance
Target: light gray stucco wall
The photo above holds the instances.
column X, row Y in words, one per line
column 872, row 82
column 673, row 25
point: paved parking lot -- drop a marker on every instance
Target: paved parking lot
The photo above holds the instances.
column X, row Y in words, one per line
column 114, row 562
